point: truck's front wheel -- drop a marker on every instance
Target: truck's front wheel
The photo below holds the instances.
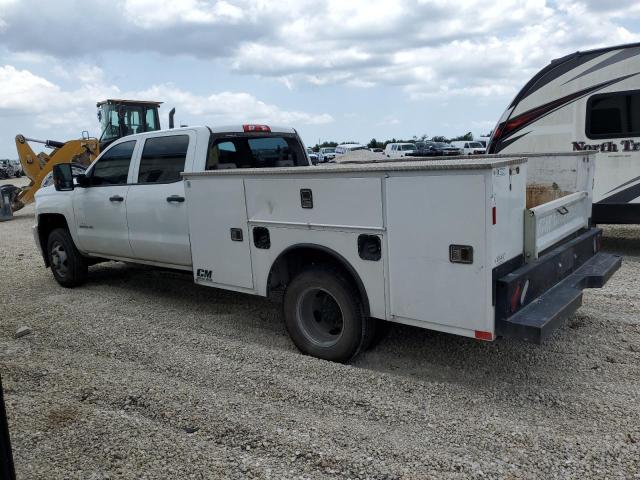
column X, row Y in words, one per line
column 68, row 266
column 324, row 316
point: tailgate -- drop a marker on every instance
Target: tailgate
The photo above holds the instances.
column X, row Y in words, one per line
column 550, row 223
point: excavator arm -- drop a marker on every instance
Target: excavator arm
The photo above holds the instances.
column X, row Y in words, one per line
column 39, row 167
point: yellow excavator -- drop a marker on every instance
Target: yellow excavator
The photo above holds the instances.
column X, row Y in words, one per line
column 118, row 118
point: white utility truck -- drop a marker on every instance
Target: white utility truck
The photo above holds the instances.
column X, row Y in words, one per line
column 447, row 245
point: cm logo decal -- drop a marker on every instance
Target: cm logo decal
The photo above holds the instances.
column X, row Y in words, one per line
column 205, row 275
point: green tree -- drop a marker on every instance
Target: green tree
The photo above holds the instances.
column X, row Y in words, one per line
column 467, row 137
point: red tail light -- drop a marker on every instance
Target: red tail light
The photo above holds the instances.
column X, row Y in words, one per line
column 480, row 335
column 256, row 128
column 494, row 215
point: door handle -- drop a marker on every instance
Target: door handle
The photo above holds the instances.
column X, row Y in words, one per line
column 175, row 198
column 116, row 198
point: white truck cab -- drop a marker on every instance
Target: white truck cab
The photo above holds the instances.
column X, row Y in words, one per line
column 449, row 245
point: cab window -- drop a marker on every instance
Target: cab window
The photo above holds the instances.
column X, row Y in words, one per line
column 113, row 167
column 255, row 152
column 163, row 159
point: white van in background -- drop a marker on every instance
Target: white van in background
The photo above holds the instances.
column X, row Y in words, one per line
column 470, row 147
column 397, row 150
column 585, row 101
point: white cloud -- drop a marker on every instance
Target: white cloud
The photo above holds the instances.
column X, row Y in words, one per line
column 22, row 91
column 426, row 48
column 152, row 14
column 50, row 106
column 231, row 107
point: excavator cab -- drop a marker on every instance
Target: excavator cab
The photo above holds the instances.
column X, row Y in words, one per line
column 119, row 118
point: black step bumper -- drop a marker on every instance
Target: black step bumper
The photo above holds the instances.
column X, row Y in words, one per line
column 535, row 299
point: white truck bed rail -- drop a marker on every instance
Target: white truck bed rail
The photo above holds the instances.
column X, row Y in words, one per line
column 549, row 223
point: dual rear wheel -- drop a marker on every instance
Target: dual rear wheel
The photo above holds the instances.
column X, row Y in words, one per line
column 324, row 315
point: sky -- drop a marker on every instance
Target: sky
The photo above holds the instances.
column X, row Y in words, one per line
column 333, row 69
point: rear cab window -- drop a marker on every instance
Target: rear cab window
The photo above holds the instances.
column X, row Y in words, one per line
column 162, row 159
column 255, row 151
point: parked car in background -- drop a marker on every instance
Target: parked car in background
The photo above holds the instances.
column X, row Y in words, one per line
column 18, row 168
column 313, row 156
column 470, row 148
column 348, row 147
column 326, row 154
column 397, row 150
column 7, row 169
column 429, row 149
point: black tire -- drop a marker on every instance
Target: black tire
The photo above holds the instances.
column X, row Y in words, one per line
column 68, row 266
column 324, row 316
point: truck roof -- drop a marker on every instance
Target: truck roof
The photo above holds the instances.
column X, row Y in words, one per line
column 240, row 129
column 220, row 129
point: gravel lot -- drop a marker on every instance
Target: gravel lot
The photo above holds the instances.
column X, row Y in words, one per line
column 141, row 374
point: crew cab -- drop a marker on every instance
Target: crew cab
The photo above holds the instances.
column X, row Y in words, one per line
column 443, row 244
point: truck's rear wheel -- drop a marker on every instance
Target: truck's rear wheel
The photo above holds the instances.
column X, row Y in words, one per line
column 68, row 266
column 324, row 316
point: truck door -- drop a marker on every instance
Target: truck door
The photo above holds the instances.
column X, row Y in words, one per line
column 100, row 208
column 156, row 208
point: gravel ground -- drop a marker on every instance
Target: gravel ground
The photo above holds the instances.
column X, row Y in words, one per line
column 140, row 374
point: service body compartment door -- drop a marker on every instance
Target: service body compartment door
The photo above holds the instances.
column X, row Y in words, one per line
column 218, row 232
column 426, row 214
column 333, row 201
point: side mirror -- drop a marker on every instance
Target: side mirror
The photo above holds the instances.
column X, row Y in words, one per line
column 63, row 177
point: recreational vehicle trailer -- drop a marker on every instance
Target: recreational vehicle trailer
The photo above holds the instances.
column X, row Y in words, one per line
column 584, row 101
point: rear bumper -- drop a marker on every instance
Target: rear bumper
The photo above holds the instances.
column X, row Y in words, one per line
column 535, row 299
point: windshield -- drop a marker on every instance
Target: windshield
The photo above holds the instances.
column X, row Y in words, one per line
column 328, row 150
column 135, row 119
column 475, row 145
column 408, row 146
column 108, row 116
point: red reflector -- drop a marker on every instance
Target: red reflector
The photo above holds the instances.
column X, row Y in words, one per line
column 494, row 215
column 515, row 299
column 256, row 128
column 484, row 335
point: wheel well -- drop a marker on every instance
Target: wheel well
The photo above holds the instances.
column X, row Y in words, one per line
column 47, row 223
column 295, row 259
